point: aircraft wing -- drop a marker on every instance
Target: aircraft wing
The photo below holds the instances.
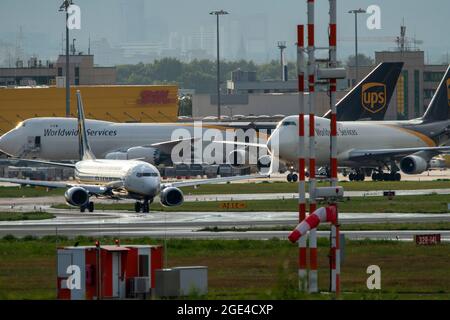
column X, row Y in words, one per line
column 213, row 180
column 244, row 144
column 394, row 153
column 37, row 183
column 91, row 188
column 50, row 163
column 167, row 146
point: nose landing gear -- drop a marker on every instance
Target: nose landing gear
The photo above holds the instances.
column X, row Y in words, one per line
column 143, row 207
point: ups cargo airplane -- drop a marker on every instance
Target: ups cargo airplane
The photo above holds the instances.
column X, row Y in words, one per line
column 375, row 144
column 115, row 178
column 57, row 138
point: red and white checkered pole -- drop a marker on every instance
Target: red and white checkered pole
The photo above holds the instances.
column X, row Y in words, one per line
column 335, row 252
column 302, row 263
column 323, row 214
column 313, row 276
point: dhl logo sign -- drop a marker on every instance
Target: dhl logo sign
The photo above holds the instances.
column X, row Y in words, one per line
column 448, row 91
column 373, row 96
column 155, row 97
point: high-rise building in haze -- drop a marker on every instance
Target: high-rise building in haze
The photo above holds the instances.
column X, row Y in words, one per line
column 133, row 21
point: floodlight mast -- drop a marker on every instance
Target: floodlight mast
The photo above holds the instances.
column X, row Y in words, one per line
column 217, row 14
column 64, row 7
column 355, row 12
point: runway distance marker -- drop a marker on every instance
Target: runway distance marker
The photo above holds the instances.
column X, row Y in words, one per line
column 232, row 205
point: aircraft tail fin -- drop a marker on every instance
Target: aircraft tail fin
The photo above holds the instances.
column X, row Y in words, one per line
column 83, row 142
column 370, row 98
column 439, row 107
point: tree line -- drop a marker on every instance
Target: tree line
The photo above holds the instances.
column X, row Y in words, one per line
column 200, row 75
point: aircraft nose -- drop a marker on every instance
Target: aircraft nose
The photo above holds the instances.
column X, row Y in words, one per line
column 272, row 142
column 8, row 144
column 269, row 144
column 151, row 186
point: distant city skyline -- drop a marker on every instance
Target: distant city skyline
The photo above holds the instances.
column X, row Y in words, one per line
column 143, row 30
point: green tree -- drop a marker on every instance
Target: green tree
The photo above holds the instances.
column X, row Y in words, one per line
column 363, row 60
column 167, row 69
column 199, row 75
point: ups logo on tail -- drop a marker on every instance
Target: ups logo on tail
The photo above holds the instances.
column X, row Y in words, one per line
column 373, row 96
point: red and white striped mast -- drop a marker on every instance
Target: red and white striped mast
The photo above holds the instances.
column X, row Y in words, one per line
column 335, row 248
column 302, row 263
column 313, row 275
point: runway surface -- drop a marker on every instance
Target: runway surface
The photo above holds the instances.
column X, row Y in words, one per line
column 35, row 203
column 190, row 224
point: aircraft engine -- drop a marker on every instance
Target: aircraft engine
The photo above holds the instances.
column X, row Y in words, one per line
column 148, row 154
column 77, row 196
column 413, row 164
column 171, row 197
column 264, row 162
column 116, row 156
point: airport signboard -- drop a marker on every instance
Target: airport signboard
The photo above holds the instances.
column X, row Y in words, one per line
column 427, row 239
column 232, row 205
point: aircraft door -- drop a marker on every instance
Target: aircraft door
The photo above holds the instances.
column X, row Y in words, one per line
column 34, row 142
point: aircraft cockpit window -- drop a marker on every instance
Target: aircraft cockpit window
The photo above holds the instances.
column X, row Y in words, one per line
column 146, row 174
column 20, row 124
column 288, row 123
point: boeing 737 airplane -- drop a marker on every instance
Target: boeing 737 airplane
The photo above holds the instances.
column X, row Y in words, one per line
column 375, row 144
column 115, row 179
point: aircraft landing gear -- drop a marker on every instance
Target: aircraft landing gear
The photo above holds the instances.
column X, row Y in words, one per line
column 90, row 207
column 137, row 206
column 384, row 176
column 143, row 207
column 292, row 177
column 357, row 175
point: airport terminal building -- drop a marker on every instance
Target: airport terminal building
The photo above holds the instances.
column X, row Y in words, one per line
column 36, row 72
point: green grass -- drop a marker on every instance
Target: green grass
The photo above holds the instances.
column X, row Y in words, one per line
column 28, row 192
column 405, row 204
column 249, row 269
column 260, row 187
column 16, row 216
column 284, row 187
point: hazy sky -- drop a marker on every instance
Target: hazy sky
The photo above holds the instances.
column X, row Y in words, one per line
column 42, row 24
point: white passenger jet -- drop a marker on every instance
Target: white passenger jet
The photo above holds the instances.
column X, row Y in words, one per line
column 116, row 179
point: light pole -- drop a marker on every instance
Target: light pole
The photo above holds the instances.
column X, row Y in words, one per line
column 65, row 7
column 282, row 45
column 73, row 46
column 355, row 12
column 217, row 14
